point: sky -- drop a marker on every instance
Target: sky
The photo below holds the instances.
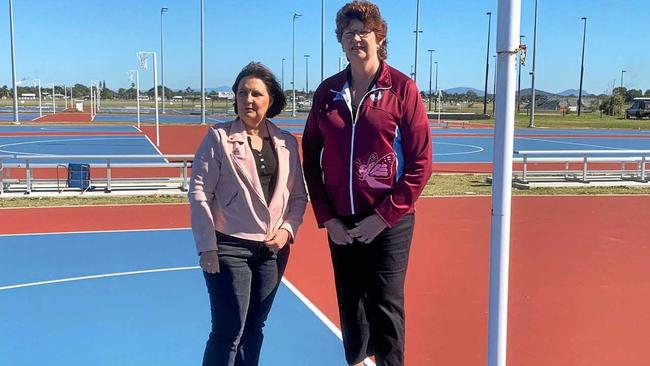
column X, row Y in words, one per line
column 74, row 41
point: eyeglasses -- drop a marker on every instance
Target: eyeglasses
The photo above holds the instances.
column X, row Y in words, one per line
column 363, row 34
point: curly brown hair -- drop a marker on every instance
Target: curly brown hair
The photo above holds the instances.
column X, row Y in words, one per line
column 367, row 13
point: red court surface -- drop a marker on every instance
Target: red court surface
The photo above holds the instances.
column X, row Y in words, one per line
column 579, row 281
column 66, row 117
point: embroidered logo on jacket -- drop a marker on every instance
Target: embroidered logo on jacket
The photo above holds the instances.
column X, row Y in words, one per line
column 374, row 169
column 376, row 96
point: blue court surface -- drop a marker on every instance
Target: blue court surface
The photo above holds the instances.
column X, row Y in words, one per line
column 150, row 118
column 79, row 145
column 476, row 145
column 129, row 298
column 6, row 117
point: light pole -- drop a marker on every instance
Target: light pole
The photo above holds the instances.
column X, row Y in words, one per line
column 143, row 56
column 437, row 106
column 203, row 64
column 283, row 74
column 430, row 72
column 13, row 62
column 307, row 74
column 134, row 74
column 417, row 38
column 293, row 64
column 163, row 10
column 531, row 122
column 519, row 76
column 582, row 64
column 37, row 82
column 487, row 62
column 622, row 72
column 494, row 84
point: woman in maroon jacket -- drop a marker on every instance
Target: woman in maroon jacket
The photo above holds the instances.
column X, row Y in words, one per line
column 367, row 157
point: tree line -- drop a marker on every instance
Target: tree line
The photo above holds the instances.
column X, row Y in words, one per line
column 83, row 91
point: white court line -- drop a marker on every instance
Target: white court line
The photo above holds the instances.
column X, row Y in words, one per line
column 155, row 147
column 63, row 140
column 310, row 305
column 478, row 149
column 215, row 119
column 107, row 275
column 571, row 143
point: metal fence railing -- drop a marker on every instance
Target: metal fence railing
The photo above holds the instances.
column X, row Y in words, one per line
column 581, row 165
column 19, row 172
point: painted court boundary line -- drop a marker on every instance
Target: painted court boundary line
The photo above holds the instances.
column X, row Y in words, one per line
column 310, row 305
column 107, row 275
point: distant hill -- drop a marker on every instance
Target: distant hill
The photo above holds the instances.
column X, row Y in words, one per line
column 218, row 89
column 528, row 92
column 573, row 93
column 463, row 90
column 210, row 90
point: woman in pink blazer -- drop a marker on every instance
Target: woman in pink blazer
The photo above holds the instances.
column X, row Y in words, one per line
column 247, row 200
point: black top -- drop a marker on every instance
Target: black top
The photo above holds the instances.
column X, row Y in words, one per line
column 267, row 166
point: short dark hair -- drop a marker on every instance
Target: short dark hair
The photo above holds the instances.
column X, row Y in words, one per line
column 368, row 14
column 259, row 71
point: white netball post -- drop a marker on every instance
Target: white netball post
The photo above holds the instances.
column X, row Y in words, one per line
column 92, row 106
column 37, row 82
column 142, row 58
column 98, row 95
column 134, row 76
column 508, row 30
column 53, row 100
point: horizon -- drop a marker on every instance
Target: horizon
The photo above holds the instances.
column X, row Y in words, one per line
column 66, row 49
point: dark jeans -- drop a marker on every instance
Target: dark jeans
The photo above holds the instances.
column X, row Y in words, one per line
column 370, row 289
column 241, row 295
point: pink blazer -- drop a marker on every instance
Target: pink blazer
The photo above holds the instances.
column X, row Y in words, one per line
column 225, row 193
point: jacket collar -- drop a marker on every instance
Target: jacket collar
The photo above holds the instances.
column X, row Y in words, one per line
column 242, row 157
column 340, row 80
column 238, row 132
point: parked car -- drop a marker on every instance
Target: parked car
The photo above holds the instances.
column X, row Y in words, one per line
column 640, row 108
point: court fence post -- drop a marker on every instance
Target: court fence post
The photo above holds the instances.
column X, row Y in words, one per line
column 28, row 170
column 108, row 175
column 643, row 168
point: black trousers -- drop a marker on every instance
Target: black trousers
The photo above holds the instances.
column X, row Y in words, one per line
column 370, row 289
column 241, row 295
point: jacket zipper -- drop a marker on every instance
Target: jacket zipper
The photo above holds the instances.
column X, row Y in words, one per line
column 354, row 123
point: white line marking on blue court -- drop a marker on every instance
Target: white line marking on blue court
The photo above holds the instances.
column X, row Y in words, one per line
column 571, row 143
column 310, row 305
column 155, row 147
column 477, row 149
column 66, row 140
column 215, row 119
column 107, row 275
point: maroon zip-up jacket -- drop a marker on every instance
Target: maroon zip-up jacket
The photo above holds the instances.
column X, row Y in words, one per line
column 379, row 163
